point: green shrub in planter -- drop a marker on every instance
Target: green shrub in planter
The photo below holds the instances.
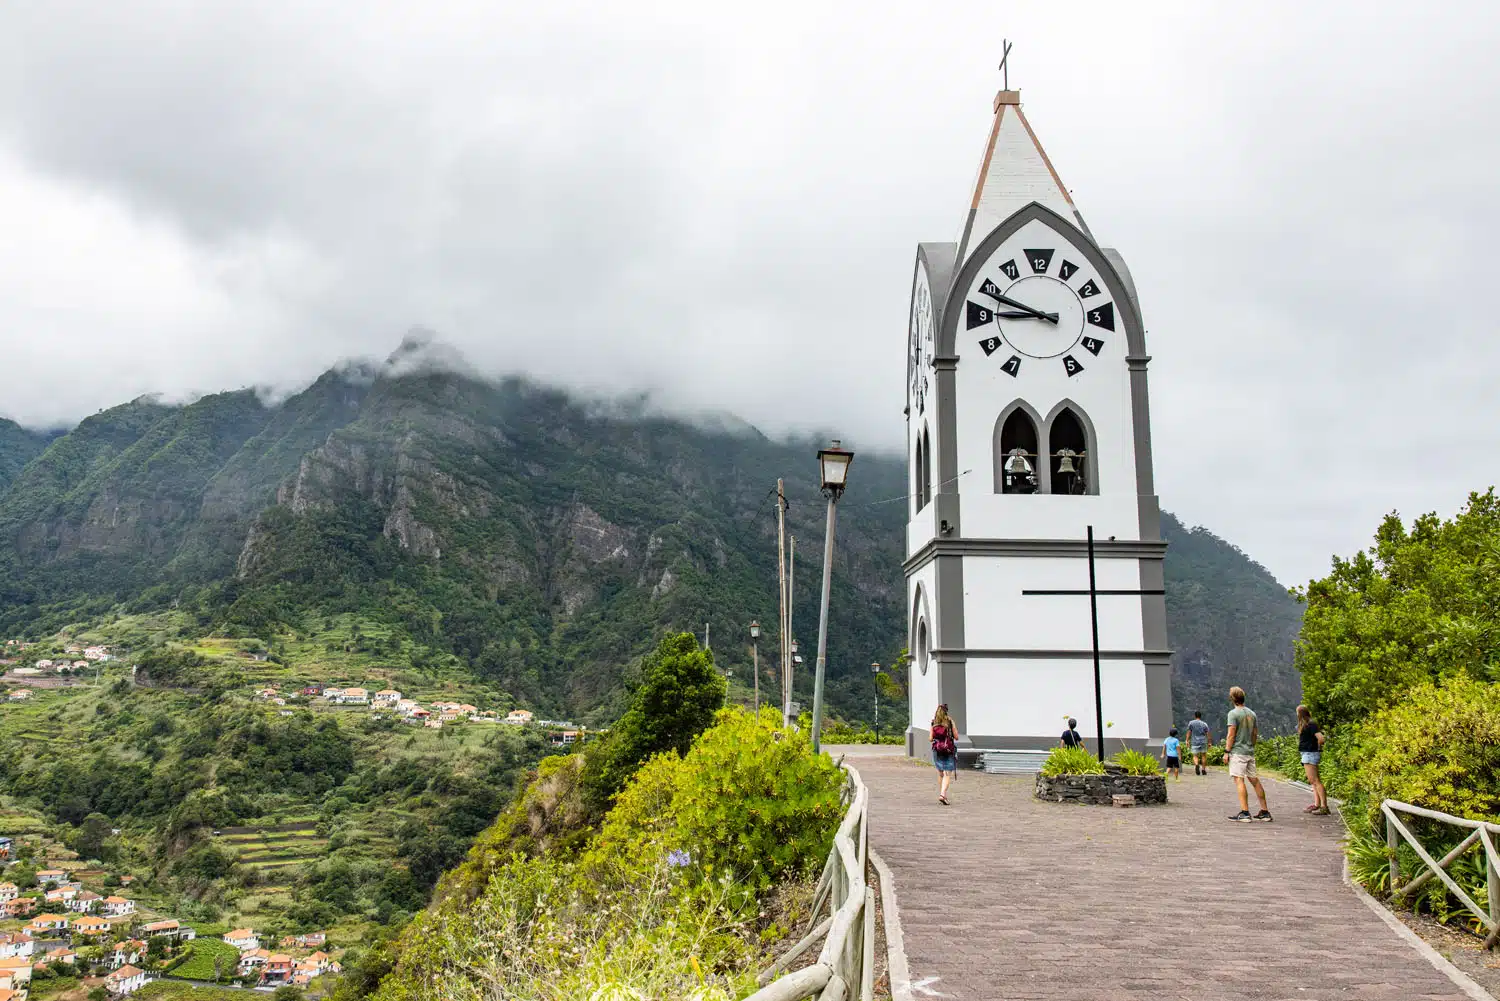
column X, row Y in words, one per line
column 1071, row 761
column 1136, row 763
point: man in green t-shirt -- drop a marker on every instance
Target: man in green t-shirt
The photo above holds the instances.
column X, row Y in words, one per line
column 1243, row 733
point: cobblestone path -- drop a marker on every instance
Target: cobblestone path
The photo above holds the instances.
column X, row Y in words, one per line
column 1005, row 897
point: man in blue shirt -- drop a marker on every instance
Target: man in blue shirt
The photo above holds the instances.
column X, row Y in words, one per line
column 1171, row 750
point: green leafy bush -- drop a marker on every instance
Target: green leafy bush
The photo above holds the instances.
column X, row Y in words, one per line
column 1136, row 763
column 1071, row 761
column 1439, row 748
column 1217, row 754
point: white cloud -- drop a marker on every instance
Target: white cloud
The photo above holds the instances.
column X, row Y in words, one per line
column 722, row 206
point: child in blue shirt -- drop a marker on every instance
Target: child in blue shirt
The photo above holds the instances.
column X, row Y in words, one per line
column 1171, row 750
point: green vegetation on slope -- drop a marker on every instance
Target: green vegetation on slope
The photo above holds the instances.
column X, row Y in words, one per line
column 1400, row 659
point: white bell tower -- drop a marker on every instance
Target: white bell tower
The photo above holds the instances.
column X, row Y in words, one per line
column 1027, row 424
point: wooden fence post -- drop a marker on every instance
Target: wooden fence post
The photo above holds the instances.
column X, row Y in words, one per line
column 1390, row 846
column 1492, row 875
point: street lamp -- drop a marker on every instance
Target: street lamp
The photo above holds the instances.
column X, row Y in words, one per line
column 793, row 659
column 755, row 655
column 875, row 677
column 834, row 462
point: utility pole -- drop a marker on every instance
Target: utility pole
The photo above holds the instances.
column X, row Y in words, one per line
column 786, row 639
column 791, row 657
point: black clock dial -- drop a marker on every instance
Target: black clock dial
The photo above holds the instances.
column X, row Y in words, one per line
column 1093, row 344
column 1066, row 270
column 1071, row 365
column 978, row 315
column 1012, row 365
column 1102, row 316
column 990, row 289
column 991, row 345
column 1087, row 289
column 1011, row 271
column 1040, row 260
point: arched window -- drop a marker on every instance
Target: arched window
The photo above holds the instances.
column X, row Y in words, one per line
column 1070, row 457
column 918, row 499
column 1016, row 468
column 926, row 468
column 923, row 646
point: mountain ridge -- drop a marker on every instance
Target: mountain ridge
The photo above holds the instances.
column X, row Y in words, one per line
column 540, row 540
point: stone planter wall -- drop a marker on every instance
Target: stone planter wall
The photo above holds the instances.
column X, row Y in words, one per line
column 1100, row 790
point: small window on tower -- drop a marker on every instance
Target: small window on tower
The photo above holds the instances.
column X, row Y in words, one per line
column 918, row 499
column 926, row 468
column 1017, row 454
column 1067, row 444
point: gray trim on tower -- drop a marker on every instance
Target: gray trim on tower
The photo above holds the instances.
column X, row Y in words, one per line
column 1159, row 694
column 1087, row 653
column 1107, row 549
column 953, row 687
column 939, row 259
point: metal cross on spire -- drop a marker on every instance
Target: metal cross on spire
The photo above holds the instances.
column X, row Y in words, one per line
column 1004, row 69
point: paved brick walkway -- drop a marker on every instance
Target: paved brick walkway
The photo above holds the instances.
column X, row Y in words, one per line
column 1004, row 897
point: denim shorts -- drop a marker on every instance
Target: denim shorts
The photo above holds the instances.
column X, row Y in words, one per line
column 1311, row 757
column 945, row 762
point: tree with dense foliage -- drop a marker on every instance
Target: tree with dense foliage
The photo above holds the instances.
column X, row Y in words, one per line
column 679, row 692
column 1422, row 605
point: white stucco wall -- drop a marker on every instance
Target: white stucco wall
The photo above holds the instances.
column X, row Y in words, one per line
column 997, row 616
column 1016, row 698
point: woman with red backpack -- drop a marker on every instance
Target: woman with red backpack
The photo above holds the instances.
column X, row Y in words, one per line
column 944, row 750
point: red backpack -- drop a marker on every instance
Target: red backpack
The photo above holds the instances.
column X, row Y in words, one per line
column 942, row 740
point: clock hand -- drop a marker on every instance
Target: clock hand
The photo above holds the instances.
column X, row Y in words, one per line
column 1028, row 315
column 1029, row 311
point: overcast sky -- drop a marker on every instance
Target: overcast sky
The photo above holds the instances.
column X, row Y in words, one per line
column 723, row 206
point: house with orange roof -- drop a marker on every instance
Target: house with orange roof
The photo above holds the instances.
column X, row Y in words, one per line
column 9, row 891
column 59, row 956
column 129, row 951
column 20, row 907
column 126, row 980
column 253, row 960
column 115, row 907
column 91, row 926
column 50, row 876
column 170, row 928
column 278, row 969
column 15, row 973
column 243, row 939
column 16, row 943
column 387, row 696
column 50, row 922
column 84, row 902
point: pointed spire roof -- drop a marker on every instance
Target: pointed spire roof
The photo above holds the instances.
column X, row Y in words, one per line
column 1014, row 173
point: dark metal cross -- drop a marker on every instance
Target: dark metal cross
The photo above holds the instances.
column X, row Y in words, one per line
column 1094, row 592
column 1005, row 70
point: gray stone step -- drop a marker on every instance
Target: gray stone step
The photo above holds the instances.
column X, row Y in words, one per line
column 1027, row 762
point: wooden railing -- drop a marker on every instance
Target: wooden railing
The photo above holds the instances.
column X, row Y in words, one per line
column 1480, row 833
column 847, row 960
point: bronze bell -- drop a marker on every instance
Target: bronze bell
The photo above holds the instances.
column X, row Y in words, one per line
column 1065, row 461
column 1017, row 463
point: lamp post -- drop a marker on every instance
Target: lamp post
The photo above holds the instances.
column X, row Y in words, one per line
column 835, row 469
column 875, row 677
column 793, row 660
column 755, row 660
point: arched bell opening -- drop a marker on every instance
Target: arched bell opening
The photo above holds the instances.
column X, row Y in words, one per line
column 1069, row 454
column 1016, row 468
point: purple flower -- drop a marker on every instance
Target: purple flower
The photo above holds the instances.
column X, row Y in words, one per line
column 677, row 858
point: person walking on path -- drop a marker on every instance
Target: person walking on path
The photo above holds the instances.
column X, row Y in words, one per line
column 1171, row 752
column 1199, row 738
column 1310, row 739
column 944, row 750
column 1240, row 742
column 1071, row 736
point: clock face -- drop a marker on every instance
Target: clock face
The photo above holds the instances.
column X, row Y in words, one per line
column 921, row 343
column 1038, row 301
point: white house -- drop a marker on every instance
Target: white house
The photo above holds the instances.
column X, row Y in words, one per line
column 333, row 694
column 125, row 980
column 96, row 653
column 13, row 944
column 9, row 891
column 115, row 907
column 243, row 939
column 170, row 928
column 519, row 717
column 355, row 697
column 387, row 696
column 84, row 901
column 20, row 695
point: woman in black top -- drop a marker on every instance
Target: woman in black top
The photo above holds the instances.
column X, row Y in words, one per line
column 1310, row 745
